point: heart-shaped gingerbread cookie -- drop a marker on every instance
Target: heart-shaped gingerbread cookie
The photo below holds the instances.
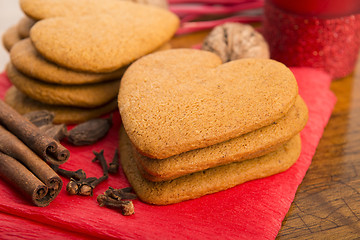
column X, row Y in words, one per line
column 184, row 99
column 63, row 114
column 105, row 39
column 41, row 9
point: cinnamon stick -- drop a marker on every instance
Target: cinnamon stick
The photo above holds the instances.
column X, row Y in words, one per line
column 14, row 147
column 14, row 172
column 43, row 145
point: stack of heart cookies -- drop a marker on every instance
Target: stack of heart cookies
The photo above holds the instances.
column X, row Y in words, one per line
column 194, row 126
column 77, row 52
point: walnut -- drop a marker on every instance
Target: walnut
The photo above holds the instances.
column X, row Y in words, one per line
column 158, row 3
column 233, row 41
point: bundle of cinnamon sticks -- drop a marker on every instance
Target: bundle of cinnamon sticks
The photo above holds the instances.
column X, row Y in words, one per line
column 25, row 155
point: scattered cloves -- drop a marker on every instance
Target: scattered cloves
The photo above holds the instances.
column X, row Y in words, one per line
column 81, row 185
column 87, row 185
column 114, row 165
column 126, row 206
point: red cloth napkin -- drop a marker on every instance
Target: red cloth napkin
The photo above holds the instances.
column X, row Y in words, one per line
column 253, row 210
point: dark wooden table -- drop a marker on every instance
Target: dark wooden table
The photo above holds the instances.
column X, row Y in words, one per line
column 327, row 203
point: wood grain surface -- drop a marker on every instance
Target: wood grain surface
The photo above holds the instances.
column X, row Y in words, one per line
column 327, row 203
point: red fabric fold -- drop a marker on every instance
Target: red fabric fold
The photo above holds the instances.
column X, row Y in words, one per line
column 253, row 210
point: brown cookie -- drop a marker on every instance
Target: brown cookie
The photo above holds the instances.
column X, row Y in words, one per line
column 111, row 37
column 68, row 115
column 10, row 37
column 41, row 9
column 24, row 26
column 28, row 61
column 87, row 96
column 208, row 181
column 254, row 144
column 183, row 99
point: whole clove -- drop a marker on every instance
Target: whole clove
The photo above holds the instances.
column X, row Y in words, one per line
column 99, row 156
column 87, row 186
column 126, row 207
column 118, row 198
column 114, row 164
column 40, row 118
column 72, row 187
column 76, row 175
column 85, row 190
column 96, row 182
column 120, row 194
column 89, row 132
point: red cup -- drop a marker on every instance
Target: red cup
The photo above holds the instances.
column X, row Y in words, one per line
column 321, row 34
column 320, row 8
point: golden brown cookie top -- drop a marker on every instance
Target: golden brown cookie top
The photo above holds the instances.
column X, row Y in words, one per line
column 179, row 100
column 103, row 42
column 63, row 114
column 112, row 33
column 41, row 9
